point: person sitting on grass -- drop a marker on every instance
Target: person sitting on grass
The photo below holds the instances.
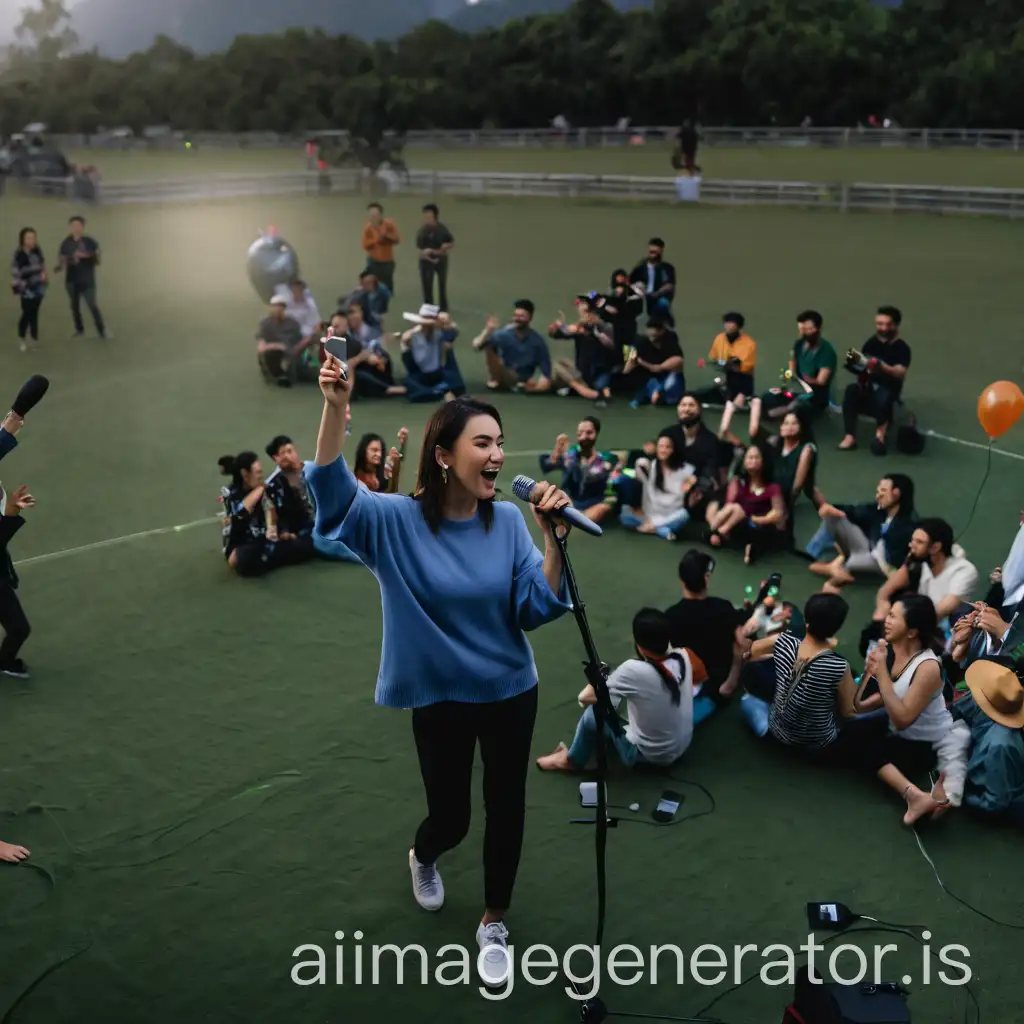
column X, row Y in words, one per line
column 936, row 568
column 665, row 485
column 585, row 470
column 658, row 687
column 589, row 373
column 517, row 356
column 288, row 502
column 814, row 687
column 872, row 538
column 694, row 442
column 708, row 626
column 372, row 469
column 246, row 547
column 754, row 511
column 431, row 372
column 883, row 363
column 657, row 355
column 366, row 354
column 372, row 296
column 279, row 344
column 908, row 672
column 736, row 352
column 812, row 367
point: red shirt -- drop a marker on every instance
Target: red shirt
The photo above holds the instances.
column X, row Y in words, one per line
column 756, row 504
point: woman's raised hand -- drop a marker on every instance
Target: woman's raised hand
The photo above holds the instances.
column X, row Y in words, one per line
column 335, row 388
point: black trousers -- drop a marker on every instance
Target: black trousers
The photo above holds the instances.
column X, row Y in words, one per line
column 875, row 401
column 384, row 272
column 428, row 271
column 446, row 737
column 29, row 322
column 259, row 558
column 14, row 622
column 76, row 293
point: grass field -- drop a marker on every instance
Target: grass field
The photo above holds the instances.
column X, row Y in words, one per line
column 886, row 166
column 197, row 764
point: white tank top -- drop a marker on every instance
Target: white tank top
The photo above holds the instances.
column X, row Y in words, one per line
column 935, row 720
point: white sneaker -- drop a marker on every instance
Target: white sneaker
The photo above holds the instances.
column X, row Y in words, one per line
column 426, row 884
column 493, row 965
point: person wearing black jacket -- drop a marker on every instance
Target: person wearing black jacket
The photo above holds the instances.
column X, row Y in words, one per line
column 872, row 537
column 881, row 365
column 696, row 444
column 12, row 616
column 620, row 308
column 655, row 280
column 247, row 547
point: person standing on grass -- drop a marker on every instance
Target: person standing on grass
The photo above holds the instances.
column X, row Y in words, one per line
column 380, row 236
column 28, row 282
column 12, row 616
column 462, row 582
column 79, row 258
column 434, row 242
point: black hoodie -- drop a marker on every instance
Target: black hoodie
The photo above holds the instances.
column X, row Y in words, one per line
column 620, row 308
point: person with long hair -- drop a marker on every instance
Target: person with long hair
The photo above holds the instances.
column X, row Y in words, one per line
column 906, row 666
column 754, row 511
column 814, row 686
column 664, row 489
column 247, row 549
column 28, row 282
column 658, row 686
column 373, row 469
column 462, row 582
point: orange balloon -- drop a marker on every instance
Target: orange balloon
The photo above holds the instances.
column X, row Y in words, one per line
column 1000, row 406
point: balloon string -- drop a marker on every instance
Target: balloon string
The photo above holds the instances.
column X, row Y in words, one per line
column 977, row 498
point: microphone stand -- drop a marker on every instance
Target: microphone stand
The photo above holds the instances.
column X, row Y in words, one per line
column 593, row 1010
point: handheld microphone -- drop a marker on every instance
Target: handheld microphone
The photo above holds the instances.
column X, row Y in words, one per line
column 523, row 488
column 30, row 394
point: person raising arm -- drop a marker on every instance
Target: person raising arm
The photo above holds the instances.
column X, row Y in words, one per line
column 461, row 584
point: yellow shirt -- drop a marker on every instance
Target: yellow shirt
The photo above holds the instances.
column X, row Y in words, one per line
column 744, row 348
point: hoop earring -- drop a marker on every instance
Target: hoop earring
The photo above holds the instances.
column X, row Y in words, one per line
column 444, row 472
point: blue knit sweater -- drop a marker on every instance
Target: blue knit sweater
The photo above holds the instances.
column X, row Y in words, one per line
column 456, row 605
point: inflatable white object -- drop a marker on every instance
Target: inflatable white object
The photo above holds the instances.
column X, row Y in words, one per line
column 271, row 262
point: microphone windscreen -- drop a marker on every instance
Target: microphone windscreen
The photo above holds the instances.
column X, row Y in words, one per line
column 522, row 487
column 30, row 394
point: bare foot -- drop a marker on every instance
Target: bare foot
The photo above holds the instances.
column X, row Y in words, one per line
column 939, row 796
column 493, row 385
column 396, row 389
column 849, row 442
column 12, row 854
column 715, row 540
column 557, row 761
column 748, row 552
column 645, row 528
column 919, row 804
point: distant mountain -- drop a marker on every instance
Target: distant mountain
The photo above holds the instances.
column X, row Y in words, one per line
column 494, row 13
column 120, row 27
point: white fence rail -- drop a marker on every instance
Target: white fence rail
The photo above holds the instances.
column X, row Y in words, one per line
column 576, row 138
column 822, row 195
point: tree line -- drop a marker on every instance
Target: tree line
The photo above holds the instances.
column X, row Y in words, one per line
column 929, row 63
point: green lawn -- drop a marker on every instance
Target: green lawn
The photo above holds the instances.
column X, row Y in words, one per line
column 165, row 691
column 885, row 166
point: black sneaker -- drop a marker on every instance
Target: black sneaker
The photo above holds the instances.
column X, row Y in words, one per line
column 15, row 668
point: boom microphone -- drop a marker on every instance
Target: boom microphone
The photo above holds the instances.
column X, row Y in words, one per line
column 524, row 489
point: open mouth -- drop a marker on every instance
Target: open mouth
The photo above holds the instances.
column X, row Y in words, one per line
column 491, row 474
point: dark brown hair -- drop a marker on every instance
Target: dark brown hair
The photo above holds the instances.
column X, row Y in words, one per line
column 443, row 429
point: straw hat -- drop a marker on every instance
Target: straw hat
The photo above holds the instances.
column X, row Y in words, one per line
column 427, row 315
column 998, row 692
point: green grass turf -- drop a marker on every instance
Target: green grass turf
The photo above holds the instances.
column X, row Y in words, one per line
column 164, row 690
column 887, row 166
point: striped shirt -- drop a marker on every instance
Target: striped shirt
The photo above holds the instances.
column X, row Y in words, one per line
column 804, row 714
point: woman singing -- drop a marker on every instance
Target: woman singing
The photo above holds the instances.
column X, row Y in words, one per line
column 461, row 581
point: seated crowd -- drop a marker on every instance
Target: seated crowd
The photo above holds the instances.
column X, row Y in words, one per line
column 939, row 693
